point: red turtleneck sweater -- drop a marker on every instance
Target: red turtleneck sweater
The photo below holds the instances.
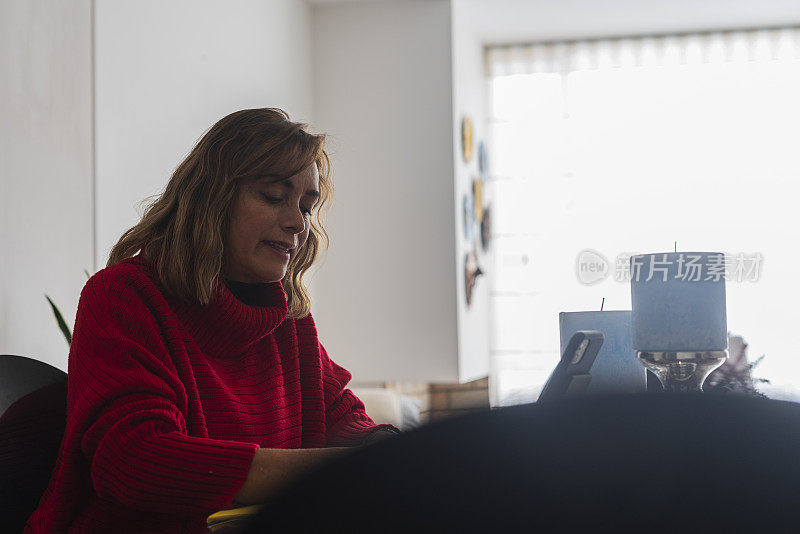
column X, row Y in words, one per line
column 168, row 402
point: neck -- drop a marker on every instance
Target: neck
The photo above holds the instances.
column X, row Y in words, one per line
column 247, row 292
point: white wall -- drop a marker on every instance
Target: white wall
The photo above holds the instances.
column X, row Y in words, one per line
column 469, row 100
column 166, row 71
column 45, row 171
column 386, row 295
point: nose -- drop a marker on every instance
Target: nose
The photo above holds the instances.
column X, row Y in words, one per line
column 294, row 220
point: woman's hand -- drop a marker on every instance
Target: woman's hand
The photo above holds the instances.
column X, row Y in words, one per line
column 272, row 469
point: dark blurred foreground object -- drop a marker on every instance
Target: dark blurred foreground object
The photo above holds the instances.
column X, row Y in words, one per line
column 33, row 401
column 649, row 463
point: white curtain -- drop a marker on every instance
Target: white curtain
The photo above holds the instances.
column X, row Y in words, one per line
column 690, row 49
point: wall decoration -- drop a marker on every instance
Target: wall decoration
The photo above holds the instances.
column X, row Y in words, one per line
column 469, row 217
column 477, row 193
column 466, row 138
column 486, row 229
column 483, row 165
column 471, row 274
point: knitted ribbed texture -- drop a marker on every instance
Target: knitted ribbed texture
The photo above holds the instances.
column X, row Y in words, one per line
column 168, row 402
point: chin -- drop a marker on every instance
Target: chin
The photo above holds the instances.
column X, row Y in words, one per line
column 268, row 279
column 264, row 276
column 274, row 276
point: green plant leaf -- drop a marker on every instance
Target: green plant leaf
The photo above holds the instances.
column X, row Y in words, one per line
column 62, row 324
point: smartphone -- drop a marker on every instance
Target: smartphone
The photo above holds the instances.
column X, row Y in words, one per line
column 571, row 376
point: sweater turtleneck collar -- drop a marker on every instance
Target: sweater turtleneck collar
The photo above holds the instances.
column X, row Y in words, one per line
column 227, row 327
column 248, row 293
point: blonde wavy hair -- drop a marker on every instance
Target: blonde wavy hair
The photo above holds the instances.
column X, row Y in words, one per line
column 182, row 230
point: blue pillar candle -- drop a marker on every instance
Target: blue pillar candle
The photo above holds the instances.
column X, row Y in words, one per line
column 678, row 301
column 616, row 368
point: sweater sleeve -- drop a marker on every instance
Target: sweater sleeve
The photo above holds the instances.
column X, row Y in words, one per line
column 127, row 401
column 346, row 419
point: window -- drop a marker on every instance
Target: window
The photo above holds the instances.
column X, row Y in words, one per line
column 627, row 146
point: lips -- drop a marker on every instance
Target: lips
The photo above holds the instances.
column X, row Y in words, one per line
column 280, row 245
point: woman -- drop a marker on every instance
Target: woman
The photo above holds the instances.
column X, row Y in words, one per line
column 196, row 379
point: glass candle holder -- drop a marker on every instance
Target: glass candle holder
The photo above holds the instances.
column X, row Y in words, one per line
column 682, row 372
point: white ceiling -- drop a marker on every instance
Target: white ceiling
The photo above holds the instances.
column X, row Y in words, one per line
column 319, row 2
column 508, row 21
column 502, row 21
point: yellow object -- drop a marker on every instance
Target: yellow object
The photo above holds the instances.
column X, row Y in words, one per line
column 466, row 138
column 224, row 518
column 477, row 192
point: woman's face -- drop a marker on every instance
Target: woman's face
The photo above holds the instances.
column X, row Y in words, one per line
column 267, row 216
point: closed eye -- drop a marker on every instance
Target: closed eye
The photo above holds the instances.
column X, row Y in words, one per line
column 275, row 200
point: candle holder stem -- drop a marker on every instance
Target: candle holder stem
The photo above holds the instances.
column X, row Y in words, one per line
column 682, row 372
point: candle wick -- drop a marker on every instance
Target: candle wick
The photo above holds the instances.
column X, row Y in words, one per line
column 676, row 246
column 602, row 304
